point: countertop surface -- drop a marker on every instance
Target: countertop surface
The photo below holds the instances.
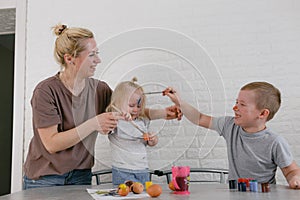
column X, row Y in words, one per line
column 197, row 191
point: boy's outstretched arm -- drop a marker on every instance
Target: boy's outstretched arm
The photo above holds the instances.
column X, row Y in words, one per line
column 292, row 175
column 171, row 112
column 191, row 113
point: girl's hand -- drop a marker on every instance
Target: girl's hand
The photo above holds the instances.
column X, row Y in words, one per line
column 153, row 139
column 127, row 116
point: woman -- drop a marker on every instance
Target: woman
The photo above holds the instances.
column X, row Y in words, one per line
column 68, row 110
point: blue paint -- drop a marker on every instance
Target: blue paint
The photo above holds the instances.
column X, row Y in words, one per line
column 253, row 186
column 139, row 101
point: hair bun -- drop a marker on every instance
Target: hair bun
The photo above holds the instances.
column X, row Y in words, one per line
column 59, row 29
column 134, row 79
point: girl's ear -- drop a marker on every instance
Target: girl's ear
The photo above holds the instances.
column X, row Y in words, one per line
column 264, row 113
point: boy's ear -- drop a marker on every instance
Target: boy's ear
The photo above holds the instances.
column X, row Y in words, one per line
column 264, row 113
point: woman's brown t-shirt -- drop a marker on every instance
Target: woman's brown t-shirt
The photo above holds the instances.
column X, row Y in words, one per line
column 53, row 104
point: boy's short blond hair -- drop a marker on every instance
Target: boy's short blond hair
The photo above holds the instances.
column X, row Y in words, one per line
column 267, row 96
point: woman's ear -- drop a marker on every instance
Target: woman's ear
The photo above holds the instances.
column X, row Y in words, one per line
column 68, row 59
column 264, row 113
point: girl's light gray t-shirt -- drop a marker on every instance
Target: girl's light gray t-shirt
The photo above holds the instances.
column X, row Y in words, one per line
column 128, row 148
column 252, row 155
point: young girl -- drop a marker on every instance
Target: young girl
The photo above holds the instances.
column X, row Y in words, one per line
column 128, row 141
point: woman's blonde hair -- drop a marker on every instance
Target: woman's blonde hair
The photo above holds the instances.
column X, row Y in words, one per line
column 267, row 96
column 69, row 41
column 122, row 94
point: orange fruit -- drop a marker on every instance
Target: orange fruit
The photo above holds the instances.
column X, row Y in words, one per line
column 171, row 186
column 154, row 190
column 137, row 188
column 123, row 190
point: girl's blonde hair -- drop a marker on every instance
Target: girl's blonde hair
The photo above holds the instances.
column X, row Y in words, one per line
column 122, row 94
column 69, row 41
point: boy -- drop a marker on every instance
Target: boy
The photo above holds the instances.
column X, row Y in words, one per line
column 254, row 151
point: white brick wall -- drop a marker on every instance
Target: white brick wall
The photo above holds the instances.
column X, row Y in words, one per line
column 206, row 49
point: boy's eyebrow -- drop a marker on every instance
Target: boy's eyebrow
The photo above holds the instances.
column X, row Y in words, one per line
column 240, row 101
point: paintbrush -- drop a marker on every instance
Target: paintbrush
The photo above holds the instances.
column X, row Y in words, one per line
column 158, row 92
column 145, row 135
column 153, row 92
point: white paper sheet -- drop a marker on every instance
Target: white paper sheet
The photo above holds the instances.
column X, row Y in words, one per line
column 93, row 193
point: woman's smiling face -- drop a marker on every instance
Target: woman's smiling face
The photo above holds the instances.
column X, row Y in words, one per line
column 88, row 59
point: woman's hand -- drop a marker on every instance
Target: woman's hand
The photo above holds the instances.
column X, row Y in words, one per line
column 106, row 122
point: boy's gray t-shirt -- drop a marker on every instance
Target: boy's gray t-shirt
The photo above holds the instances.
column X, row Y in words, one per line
column 254, row 155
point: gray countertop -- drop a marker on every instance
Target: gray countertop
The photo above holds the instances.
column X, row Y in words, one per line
column 197, row 191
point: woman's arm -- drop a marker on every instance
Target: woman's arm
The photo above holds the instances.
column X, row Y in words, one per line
column 55, row 141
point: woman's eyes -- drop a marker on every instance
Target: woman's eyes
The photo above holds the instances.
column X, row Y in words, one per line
column 94, row 54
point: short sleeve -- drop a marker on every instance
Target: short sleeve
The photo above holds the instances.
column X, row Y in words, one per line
column 103, row 97
column 219, row 124
column 44, row 109
column 282, row 153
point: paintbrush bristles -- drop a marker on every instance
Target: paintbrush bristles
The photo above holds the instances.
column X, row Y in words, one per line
column 132, row 122
column 117, row 109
